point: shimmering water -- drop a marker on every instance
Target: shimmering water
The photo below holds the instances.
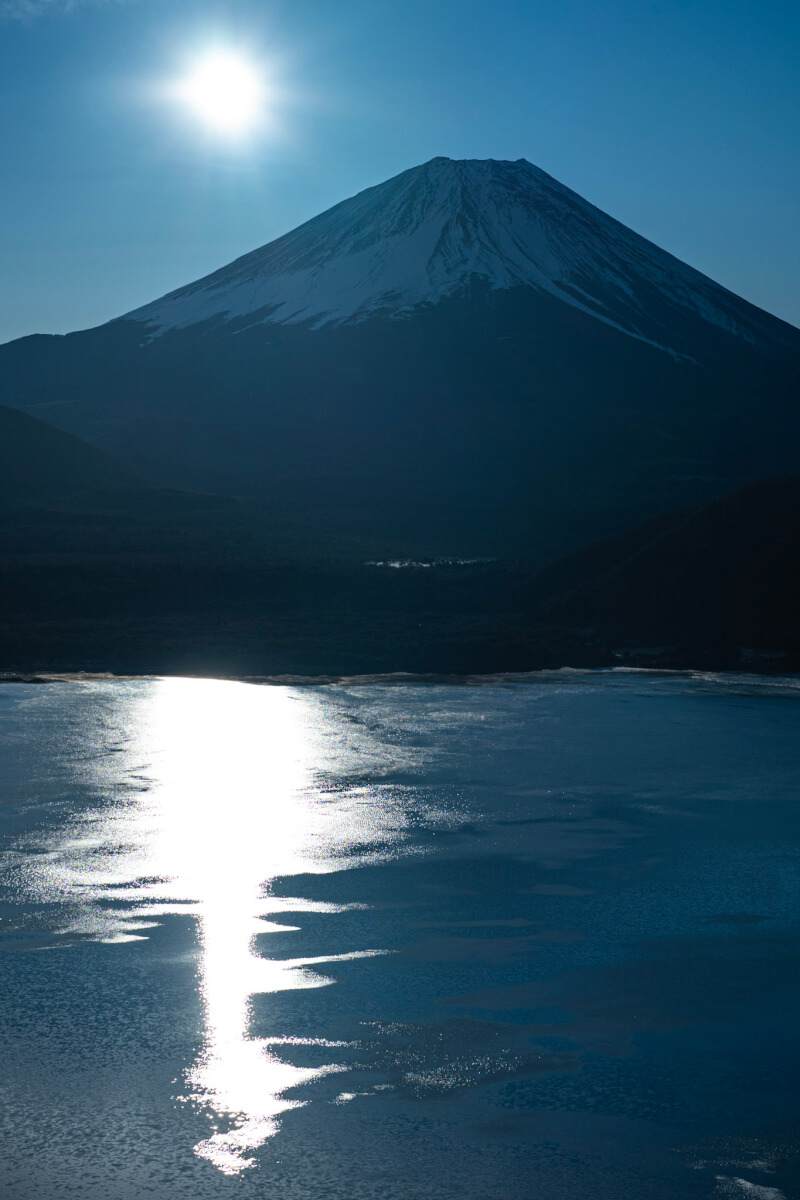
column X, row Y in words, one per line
column 524, row 938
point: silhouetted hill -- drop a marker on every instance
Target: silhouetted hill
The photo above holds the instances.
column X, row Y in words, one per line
column 715, row 586
column 722, row 575
column 43, row 464
column 61, row 498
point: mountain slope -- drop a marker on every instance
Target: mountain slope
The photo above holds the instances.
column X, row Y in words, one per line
column 62, row 499
column 711, row 587
column 467, row 359
column 424, row 235
column 722, row 576
column 42, row 465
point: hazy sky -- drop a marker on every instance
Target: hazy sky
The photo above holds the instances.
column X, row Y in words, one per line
column 680, row 118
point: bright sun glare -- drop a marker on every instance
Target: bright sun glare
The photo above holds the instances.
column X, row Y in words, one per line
column 225, row 91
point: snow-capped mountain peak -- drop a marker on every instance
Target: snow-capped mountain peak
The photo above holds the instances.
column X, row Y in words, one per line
column 431, row 231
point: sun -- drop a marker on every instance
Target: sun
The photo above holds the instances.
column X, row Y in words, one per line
column 225, row 91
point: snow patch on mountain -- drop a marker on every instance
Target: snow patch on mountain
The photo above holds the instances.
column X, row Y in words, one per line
column 426, row 234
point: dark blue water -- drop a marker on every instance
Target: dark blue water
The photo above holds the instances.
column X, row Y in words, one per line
column 529, row 938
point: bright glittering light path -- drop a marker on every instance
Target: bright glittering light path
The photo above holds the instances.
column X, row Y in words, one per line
column 235, row 779
column 226, row 800
column 225, row 91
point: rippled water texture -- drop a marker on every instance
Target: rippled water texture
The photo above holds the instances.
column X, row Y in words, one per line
column 533, row 937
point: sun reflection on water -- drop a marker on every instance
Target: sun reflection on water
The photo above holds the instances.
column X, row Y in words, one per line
column 235, row 765
column 224, row 798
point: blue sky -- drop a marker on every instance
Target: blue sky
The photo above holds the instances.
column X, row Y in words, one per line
column 681, row 119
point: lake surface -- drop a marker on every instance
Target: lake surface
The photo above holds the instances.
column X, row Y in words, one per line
column 532, row 937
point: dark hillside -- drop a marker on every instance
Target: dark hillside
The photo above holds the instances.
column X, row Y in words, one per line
column 135, row 578
column 721, row 575
column 43, row 464
column 61, row 498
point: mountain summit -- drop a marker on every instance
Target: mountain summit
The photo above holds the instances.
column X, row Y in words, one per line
column 468, row 359
column 430, row 232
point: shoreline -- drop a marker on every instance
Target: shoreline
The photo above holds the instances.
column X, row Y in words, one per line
column 471, row 679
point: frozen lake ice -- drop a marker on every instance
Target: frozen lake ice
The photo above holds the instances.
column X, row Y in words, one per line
column 513, row 938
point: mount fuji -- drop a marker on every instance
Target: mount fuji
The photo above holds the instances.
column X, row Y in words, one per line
column 468, row 358
column 422, row 236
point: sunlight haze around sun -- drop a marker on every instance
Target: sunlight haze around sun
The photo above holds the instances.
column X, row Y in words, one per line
column 225, row 91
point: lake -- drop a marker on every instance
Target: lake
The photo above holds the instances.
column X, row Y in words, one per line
column 521, row 937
